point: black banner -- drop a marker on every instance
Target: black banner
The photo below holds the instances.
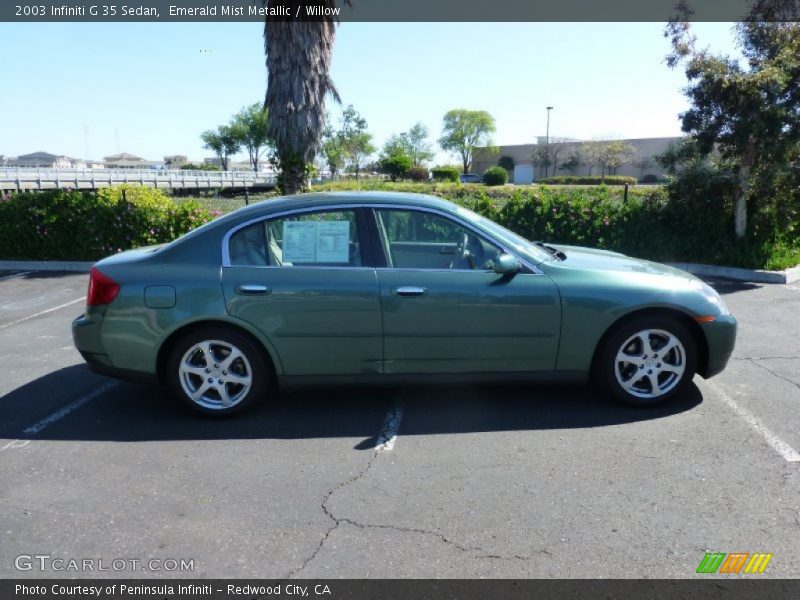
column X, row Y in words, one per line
column 371, row 10
column 414, row 589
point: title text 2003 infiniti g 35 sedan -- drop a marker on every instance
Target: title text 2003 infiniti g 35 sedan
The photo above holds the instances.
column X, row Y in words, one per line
column 365, row 287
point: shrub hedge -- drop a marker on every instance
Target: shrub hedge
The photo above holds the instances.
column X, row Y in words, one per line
column 418, row 174
column 689, row 220
column 495, row 176
column 78, row 225
column 445, row 174
column 586, row 180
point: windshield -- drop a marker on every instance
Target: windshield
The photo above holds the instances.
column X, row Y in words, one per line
column 511, row 240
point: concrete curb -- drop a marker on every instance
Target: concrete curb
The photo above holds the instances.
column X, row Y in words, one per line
column 737, row 274
column 45, row 265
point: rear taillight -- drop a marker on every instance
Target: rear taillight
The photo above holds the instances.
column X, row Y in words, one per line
column 102, row 289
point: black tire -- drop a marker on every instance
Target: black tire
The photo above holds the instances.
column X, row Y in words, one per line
column 631, row 381
column 205, row 371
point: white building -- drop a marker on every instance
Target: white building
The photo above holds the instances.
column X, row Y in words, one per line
column 43, row 160
column 526, row 170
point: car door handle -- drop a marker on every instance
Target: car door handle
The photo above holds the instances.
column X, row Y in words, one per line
column 410, row 290
column 252, row 288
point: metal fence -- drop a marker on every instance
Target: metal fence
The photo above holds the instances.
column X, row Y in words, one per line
column 42, row 179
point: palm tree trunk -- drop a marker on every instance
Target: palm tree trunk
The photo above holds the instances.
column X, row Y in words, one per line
column 298, row 62
column 293, row 178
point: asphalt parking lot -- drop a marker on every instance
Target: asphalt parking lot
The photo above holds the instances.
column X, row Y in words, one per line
column 419, row 482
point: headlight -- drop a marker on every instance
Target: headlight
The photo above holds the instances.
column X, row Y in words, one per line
column 711, row 295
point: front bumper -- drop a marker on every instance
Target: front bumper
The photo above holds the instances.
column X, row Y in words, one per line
column 721, row 339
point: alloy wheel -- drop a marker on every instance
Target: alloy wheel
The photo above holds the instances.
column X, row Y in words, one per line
column 650, row 363
column 215, row 374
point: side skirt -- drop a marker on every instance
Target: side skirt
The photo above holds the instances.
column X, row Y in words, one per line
column 417, row 379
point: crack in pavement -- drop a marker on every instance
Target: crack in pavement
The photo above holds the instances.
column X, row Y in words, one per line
column 442, row 538
column 340, row 520
column 336, row 522
column 768, row 370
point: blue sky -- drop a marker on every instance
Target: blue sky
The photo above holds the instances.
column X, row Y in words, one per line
column 156, row 87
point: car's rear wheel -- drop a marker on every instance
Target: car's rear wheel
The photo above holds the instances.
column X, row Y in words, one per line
column 647, row 361
column 217, row 371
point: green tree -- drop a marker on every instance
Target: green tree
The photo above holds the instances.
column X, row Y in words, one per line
column 412, row 143
column 223, row 142
column 199, row 167
column 417, row 145
column 574, row 160
column 359, row 149
column 747, row 110
column 396, row 165
column 464, row 130
column 642, row 163
column 333, row 151
column 609, row 155
column 249, row 127
column 395, row 146
column 506, row 162
column 541, row 157
column 355, row 139
column 298, row 57
column 394, row 160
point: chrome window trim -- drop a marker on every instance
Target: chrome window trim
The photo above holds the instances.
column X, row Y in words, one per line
column 359, row 268
column 464, row 223
column 226, row 258
column 226, row 261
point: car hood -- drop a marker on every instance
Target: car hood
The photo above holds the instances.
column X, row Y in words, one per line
column 579, row 257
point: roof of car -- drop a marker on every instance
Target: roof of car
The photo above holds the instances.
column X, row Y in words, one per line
column 371, row 197
column 300, row 201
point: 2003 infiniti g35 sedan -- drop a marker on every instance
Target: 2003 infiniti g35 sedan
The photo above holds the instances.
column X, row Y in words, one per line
column 391, row 287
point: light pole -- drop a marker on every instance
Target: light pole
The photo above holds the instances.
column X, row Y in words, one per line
column 547, row 143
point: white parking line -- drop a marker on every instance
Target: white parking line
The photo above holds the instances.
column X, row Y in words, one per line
column 15, row 445
column 785, row 450
column 63, row 412
column 43, row 312
column 791, row 287
column 391, row 425
column 15, row 275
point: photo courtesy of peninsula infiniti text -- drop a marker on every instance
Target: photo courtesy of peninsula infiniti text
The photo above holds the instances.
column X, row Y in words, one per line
column 377, row 287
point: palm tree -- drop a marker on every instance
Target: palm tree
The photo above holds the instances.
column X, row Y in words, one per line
column 298, row 60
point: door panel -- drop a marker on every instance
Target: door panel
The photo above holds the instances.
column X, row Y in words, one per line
column 305, row 281
column 321, row 321
column 446, row 311
column 468, row 322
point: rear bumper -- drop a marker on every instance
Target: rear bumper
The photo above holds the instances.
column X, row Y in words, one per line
column 86, row 336
column 721, row 339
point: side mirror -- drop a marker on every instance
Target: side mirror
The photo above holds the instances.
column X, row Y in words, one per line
column 506, row 264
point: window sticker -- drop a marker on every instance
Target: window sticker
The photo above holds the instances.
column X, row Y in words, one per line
column 299, row 241
column 316, row 242
column 333, row 241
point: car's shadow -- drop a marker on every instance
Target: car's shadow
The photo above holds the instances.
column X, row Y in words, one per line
column 730, row 286
column 138, row 413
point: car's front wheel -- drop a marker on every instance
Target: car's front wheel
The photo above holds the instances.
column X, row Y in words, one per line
column 647, row 361
column 217, row 371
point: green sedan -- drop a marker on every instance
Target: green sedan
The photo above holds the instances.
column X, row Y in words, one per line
column 392, row 288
